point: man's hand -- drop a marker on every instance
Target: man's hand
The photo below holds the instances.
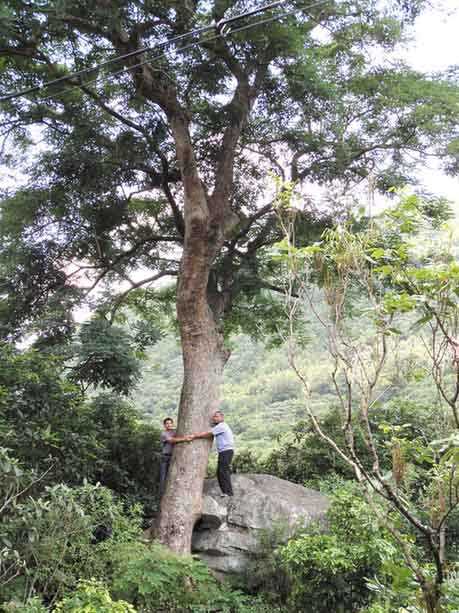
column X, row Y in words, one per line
column 189, row 438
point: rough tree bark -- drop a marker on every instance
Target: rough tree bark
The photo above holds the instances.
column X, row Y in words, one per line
column 202, row 347
column 207, row 217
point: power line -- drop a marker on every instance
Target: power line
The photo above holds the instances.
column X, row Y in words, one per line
column 79, row 73
column 183, row 48
column 220, row 26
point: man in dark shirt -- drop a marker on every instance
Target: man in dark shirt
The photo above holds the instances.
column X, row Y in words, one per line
column 168, row 440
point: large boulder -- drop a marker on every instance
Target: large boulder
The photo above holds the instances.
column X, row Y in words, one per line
column 229, row 532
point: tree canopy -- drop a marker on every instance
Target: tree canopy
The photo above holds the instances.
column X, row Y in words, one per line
column 104, row 195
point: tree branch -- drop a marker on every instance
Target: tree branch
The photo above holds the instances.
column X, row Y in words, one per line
column 119, row 300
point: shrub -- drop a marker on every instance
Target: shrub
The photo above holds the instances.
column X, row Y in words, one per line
column 32, row 605
column 14, row 482
column 328, row 571
column 54, row 535
column 92, row 597
column 156, row 580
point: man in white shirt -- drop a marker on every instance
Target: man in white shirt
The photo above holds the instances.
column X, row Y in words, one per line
column 224, row 441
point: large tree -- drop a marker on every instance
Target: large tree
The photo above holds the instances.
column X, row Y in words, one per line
column 158, row 162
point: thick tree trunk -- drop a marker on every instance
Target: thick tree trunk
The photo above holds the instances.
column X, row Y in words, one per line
column 203, row 367
column 205, row 218
column 203, row 354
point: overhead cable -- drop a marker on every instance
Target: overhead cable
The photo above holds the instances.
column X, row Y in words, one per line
column 220, row 26
column 151, row 59
column 164, row 54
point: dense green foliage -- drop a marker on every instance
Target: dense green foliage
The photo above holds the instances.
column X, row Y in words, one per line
column 54, row 535
column 350, row 564
column 154, row 579
column 63, row 437
column 42, row 418
column 92, row 597
column 102, row 203
column 329, row 571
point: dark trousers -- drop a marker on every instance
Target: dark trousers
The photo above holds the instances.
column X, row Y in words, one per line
column 163, row 470
column 224, row 471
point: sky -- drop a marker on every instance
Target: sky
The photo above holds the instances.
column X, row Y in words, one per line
column 435, row 47
column 436, row 42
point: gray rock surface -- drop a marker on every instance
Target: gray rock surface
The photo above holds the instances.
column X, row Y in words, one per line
column 228, row 534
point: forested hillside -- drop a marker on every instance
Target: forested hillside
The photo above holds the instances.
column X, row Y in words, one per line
column 262, row 397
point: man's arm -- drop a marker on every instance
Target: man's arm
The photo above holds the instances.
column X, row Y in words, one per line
column 207, row 434
column 180, row 439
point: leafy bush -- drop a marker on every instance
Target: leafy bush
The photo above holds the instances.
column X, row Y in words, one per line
column 154, row 579
column 329, row 570
column 55, row 537
column 92, row 597
column 32, row 605
column 15, row 482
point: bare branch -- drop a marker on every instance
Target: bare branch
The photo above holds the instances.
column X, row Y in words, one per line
column 119, row 300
